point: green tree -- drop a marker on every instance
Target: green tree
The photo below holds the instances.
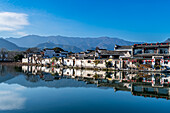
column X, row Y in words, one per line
column 96, row 62
column 18, row 57
column 57, row 49
column 108, row 64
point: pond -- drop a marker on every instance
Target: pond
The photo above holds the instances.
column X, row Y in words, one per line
column 30, row 89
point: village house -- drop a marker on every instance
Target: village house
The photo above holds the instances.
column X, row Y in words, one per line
column 36, row 56
column 123, row 48
column 32, row 55
column 123, row 57
column 97, row 59
column 154, row 54
column 49, row 53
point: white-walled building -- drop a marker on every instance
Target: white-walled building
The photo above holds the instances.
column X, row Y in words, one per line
column 49, row 53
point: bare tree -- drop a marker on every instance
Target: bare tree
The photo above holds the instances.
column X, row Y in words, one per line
column 3, row 53
column 12, row 54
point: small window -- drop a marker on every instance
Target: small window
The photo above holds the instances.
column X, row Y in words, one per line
column 117, row 62
column 165, row 80
column 166, row 62
column 138, row 51
column 88, row 75
column 67, row 60
column 67, row 72
column 163, row 51
column 89, row 61
column 101, row 62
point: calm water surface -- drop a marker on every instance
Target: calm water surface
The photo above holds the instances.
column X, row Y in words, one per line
column 49, row 90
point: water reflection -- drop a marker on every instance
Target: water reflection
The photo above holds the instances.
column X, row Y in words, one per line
column 10, row 98
column 152, row 85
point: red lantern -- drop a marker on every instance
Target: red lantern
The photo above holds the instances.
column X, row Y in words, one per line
column 161, row 43
column 152, row 60
column 151, row 44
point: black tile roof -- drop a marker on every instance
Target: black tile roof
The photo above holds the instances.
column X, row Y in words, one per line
column 123, row 47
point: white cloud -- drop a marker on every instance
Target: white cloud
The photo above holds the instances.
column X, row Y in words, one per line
column 6, row 28
column 21, row 33
column 11, row 21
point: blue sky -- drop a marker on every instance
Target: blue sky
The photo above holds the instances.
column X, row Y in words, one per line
column 134, row 20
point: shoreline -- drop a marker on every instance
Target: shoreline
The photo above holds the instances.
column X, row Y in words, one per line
column 85, row 68
column 17, row 64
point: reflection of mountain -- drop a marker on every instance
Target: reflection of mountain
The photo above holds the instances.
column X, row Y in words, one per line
column 6, row 77
column 7, row 73
column 21, row 80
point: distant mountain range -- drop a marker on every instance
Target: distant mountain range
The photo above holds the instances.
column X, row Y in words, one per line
column 69, row 43
column 168, row 40
column 9, row 45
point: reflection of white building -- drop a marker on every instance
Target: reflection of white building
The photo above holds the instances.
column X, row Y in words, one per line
column 49, row 53
column 118, row 76
column 149, row 91
column 82, row 73
column 165, row 80
column 87, row 63
column 35, row 69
